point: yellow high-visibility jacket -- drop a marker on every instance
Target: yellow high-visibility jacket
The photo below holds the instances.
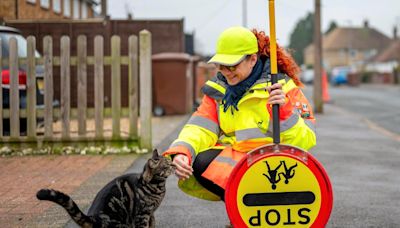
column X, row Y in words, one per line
column 245, row 129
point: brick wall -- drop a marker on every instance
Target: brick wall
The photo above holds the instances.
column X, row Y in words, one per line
column 28, row 10
column 7, row 9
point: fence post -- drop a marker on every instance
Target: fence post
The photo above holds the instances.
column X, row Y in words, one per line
column 14, row 90
column 116, row 85
column 145, row 89
column 48, row 86
column 99, row 85
column 133, row 86
column 82, row 84
column 31, row 88
column 65, row 86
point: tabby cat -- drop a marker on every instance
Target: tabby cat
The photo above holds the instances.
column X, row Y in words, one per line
column 127, row 201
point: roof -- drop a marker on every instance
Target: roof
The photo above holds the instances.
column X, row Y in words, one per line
column 363, row 38
column 392, row 52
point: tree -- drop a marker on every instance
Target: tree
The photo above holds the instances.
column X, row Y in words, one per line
column 332, row 27
column 301, row 37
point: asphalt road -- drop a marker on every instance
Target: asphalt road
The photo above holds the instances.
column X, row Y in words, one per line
column 379, row 104
column 359, row 146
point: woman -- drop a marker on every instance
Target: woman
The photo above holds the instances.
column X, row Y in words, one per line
column 235, row 114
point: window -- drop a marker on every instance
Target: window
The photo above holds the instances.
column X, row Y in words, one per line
column 45, row 3
column 67, row 8
column 57, row 6
column 353, row 52
column 75, row 12
column 31, row 1
column 370, row 52
column 342, row 53
column 84, row 9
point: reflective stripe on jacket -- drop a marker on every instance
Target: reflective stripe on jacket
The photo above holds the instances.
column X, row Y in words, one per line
column 245, row 129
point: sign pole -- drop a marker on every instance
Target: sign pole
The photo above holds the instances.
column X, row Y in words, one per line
column 317, row 93
column 274, row 71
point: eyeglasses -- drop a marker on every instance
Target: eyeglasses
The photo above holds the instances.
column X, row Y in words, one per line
column 231, row 68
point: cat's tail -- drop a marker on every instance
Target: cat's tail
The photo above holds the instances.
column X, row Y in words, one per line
column 68, row 204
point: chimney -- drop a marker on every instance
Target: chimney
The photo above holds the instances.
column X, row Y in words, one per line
column 395, row 33
column 366, row 23
column 130, row 17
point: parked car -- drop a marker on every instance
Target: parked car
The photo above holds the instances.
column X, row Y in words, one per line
column 5, row 34
column 339, row 75
column 307, row 76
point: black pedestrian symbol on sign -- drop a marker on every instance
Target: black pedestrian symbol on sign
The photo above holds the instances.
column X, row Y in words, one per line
column 274, row 177
column 288, row 174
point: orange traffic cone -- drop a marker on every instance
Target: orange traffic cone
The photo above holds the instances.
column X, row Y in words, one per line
column 325, row 93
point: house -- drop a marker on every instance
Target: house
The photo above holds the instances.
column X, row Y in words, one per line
column 46, row 9
column 349, row 46
column 385, row 67
column 387, row 60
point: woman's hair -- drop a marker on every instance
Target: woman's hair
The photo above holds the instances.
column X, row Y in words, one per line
column 285, row 61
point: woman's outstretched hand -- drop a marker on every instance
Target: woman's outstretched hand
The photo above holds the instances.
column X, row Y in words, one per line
column 183, row 169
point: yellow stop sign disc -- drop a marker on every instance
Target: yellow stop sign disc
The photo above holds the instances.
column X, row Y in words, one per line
column 279, row 186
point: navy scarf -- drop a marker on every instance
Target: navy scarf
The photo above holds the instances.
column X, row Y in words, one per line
column 234, row 93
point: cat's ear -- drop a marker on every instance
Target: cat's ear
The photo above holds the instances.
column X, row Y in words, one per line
column 155, row 154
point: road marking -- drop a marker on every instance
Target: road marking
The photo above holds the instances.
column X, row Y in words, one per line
column 382, row 130
column 369, row 123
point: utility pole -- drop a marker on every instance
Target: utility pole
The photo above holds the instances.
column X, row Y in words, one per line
column 397, row 39
column 103, row 8
column 317, row 95
column 244, row 13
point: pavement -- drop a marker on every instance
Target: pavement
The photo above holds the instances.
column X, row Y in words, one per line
column 361, row 160
column 80, row 176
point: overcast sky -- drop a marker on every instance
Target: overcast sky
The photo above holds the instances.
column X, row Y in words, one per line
column 208, row 18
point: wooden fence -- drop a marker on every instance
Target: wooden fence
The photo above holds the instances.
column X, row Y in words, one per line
column 64, row 125
column 166, row 36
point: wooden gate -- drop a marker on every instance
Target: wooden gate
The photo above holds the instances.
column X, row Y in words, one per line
column 55, row 123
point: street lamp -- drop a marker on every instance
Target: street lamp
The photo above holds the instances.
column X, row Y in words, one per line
column 244, row 13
